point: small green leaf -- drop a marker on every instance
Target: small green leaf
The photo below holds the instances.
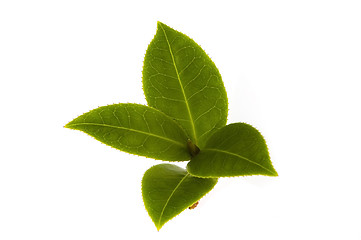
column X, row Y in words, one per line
column 168, row 190
column 135, row 129
column 182, row 81
column 235, row 150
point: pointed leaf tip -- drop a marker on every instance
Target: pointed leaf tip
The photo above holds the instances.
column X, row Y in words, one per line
column 68, row 125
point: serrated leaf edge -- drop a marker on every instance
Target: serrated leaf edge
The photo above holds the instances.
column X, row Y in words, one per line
column 228, row 176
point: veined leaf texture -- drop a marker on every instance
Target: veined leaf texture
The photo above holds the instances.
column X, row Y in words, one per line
column 237, row 149
column 182, row 81
column 135, row 129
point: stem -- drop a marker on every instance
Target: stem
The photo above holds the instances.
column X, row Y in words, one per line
column 192, row 148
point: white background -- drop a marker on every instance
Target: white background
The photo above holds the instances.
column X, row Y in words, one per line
column 291, row 69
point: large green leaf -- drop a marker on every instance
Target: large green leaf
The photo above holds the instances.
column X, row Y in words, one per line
column 182, row 81
column 168, row 190
column 235, row 150
column 136, row 129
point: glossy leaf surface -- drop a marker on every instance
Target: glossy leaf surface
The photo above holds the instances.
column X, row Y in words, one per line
column 135, row 129
column 182, row 81
column 235, row 150
column 168, row 190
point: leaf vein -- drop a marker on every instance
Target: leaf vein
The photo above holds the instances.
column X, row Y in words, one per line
column 165, row 205
column 129, row 129
column 239, row 156
column 181, row 85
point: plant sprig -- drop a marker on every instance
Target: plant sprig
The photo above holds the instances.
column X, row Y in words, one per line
column 185, row 120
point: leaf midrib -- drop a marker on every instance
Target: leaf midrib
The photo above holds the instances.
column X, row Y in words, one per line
column 182, row 88
column 129, row 129
column 239, row 156
column 170, row 196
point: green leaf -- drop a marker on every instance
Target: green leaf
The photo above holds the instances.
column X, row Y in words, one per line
column 168, row 190
column 235, row 150
column 135, row 129
column 182, row 81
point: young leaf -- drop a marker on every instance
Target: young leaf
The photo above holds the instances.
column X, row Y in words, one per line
column 182, row 81
column 168, row 190
column 135, row 129
column 235, row 150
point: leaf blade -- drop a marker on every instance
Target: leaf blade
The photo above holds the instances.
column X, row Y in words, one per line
column 135, row 129
column 235, row 150
column 182, row 81
column 168, row 190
